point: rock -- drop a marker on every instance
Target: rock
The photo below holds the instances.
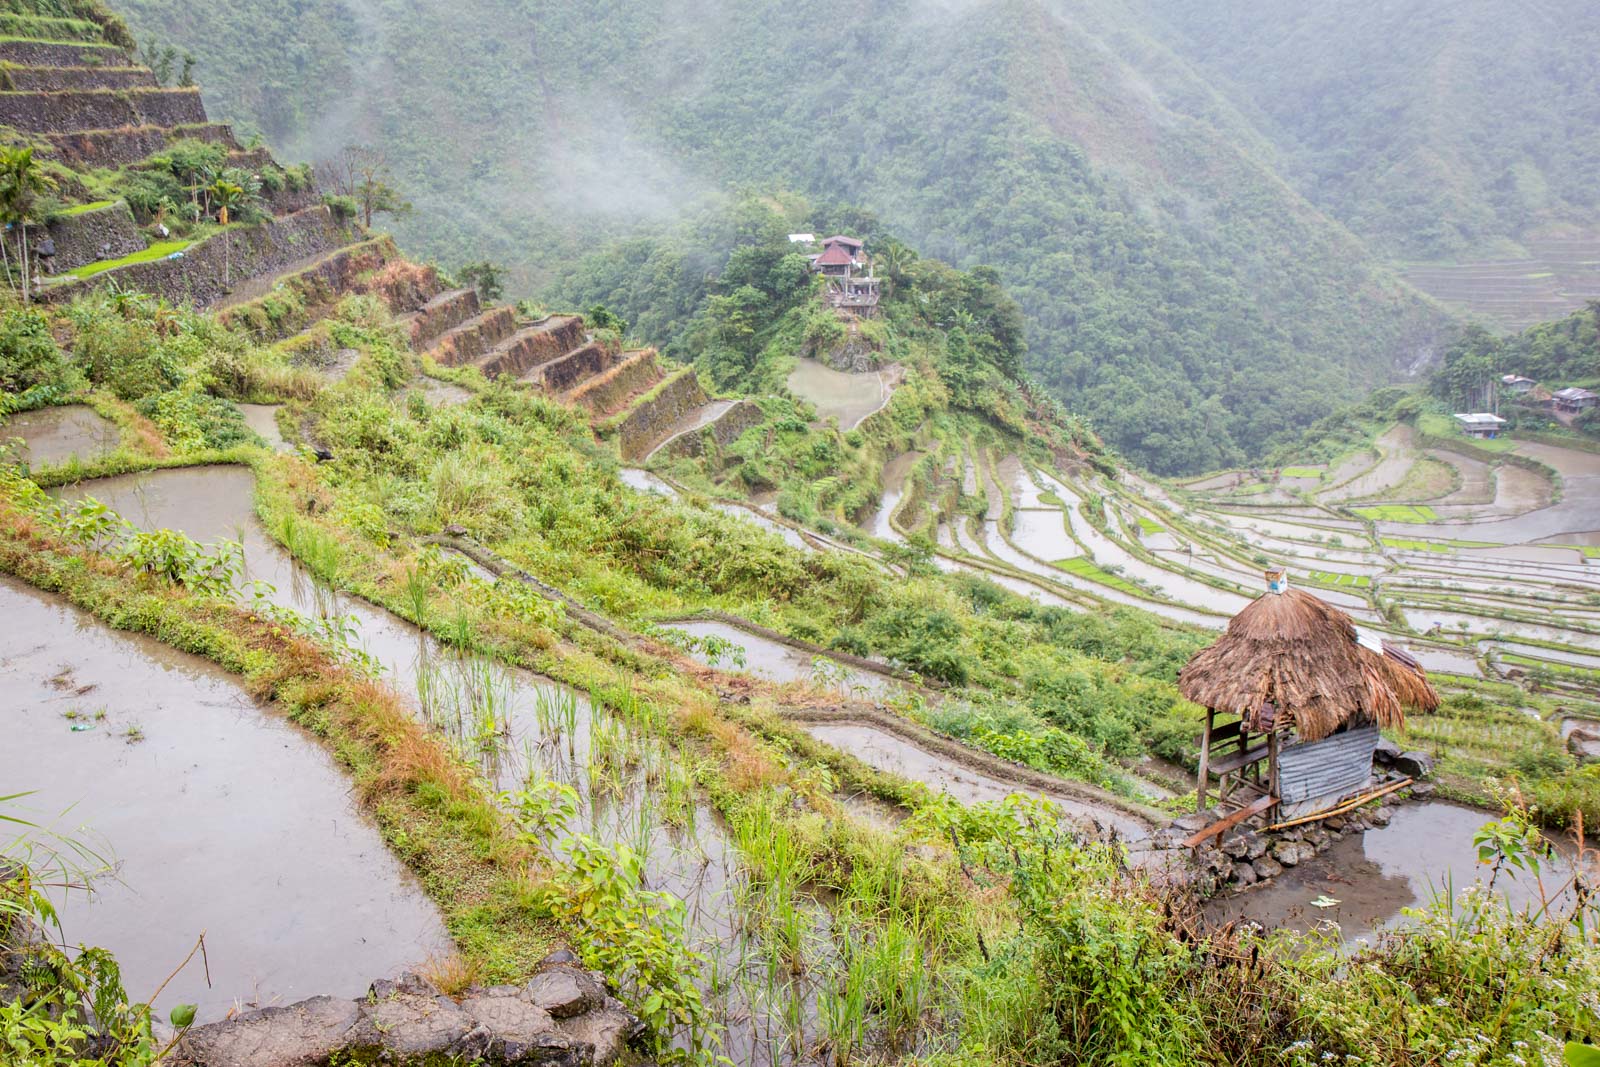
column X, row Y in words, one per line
column 1266, row 867
column 455, row 529
column 565, row 991
column 1414, row 764
column 409, row 1020
column 1584, row 744
column 1317, row 838
column 1237, row 846
column 299, row 1035
column 524, row 1032
column 1379, row 817
column 1386, row 752
column 606, row 1031
column 1335, row 825
column 560, row 955
column 1244, row 874
column 1196, row 822
column 1423, row 789
column 1286, row 852
column 1256, row 847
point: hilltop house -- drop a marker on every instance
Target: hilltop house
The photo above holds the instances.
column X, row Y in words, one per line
column 1573, row 400
column 1516, row 384
column 851, row 283
column 1480, row 424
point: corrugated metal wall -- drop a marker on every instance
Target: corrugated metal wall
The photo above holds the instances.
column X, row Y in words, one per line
column 1330, row 768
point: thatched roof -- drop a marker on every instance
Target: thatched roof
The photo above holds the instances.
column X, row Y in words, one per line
column 1302, row 655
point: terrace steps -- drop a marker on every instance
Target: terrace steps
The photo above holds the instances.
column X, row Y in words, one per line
column 443, row 311
column 60, row 79
column 40, row 53
column 100, row 109
column 611, row 390
column 532, row 346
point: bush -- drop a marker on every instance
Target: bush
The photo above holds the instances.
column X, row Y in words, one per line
column 29, row 355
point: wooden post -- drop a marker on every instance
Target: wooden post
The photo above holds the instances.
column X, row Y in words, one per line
column 1205, row 761
column 1272, row 762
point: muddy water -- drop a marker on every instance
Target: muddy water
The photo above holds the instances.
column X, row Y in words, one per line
column 1578, row 511
column 846, row 397
column 224, row 818
column 1446, row 661
column 888, row 752
column 1043, row 534
column 263, row 421
column 645, row 482
column 1425, row 848
column 1422, row 618
column 778, row 662
column 895, row 473
column 1398, row 453
column 52, row 436
column 790, row 536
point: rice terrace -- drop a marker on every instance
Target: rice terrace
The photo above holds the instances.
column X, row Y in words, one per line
column 995, row 533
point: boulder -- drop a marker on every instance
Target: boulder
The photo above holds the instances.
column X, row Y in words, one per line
column 1266, row 867
column 1584, row 744
column 1386, row 752
column 299, row 1035
column 564, row 991
column 1379, row 817
column 1317, row 838
column 607, row 1031
column 1286, row 852
column 1244, row 874
column 409, row 1021
column 1237, row 846
column 1414, row 764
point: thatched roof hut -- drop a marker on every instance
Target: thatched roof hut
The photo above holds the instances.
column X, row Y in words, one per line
column 1309, row 691
column 1290, row 650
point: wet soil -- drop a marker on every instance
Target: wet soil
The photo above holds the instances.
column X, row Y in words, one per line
column 645, row 482
column 778, row 662
column 894, row 486
column 51, row 436
column 219, row 816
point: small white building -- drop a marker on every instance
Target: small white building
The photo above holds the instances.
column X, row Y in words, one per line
column 802, row 238
column 1480, row 424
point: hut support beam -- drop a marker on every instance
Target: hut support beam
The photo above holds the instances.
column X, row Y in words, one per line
column 1205, row 761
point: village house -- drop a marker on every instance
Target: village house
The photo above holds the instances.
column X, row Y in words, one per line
column 1516, row 384
column 851, row 283
column 1481, row 424
column 1572, row 400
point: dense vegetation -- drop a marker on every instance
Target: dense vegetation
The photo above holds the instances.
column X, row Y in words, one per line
column 1431, row 129
column 1177, row 293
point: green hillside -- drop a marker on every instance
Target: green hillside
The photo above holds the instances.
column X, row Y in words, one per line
column 1431, row 129
column 1178, row 293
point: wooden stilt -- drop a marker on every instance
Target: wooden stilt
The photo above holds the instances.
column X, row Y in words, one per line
column 1205, row 762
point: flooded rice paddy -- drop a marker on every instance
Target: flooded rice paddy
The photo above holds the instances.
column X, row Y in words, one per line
column 217, row 816
column 51, row 436
column 838, row 395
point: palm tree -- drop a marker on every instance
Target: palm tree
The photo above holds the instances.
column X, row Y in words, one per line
column 226, row 195
column 22, row 180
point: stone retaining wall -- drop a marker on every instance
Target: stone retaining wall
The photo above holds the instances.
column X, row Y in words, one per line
column 441, row 312
column 315, row 289
column 578, row 365
column 130, row 144
column 653, row 417
column 607, row 392
column 101, row 109
column 718, row 434
column 65, row 79
column 534, row 346
column 60, row 54
column 196, row 277
column 474, row 339
column 562, row 1016
column 90, row 236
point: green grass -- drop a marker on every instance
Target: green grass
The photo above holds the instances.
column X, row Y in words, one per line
column 1442, row 545
column 80, row 209
column 1252, row 490
column 1398, row 513
column 1087, row 568
column 1442, row 425
column 1358, row 581
column 1301, row 472
column 1149, row 525
column 1589, row 551
column 159, row 250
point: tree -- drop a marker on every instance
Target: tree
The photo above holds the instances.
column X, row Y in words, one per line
column 227, row 196
column 361, row 172
column 486, row 277
column 22, row 180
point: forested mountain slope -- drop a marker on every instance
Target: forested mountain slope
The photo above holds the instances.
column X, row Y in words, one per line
column 1178, row 292
column 1431, row 128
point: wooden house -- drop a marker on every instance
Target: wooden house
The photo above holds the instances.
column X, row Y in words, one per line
column 1295, row 696
column 1573, row 400
column 1480, row 424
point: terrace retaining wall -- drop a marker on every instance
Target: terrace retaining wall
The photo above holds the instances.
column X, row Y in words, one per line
column 580, row 364
column 76, row 79
column 90, row 236
column 101, row 109
column 60, row 54
column 653, row 417
column 196, row 276
column 313, row 291
column 130, row 144
column 539, row 344
column 476, row 338
column 718, row 434
column 607, row 392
